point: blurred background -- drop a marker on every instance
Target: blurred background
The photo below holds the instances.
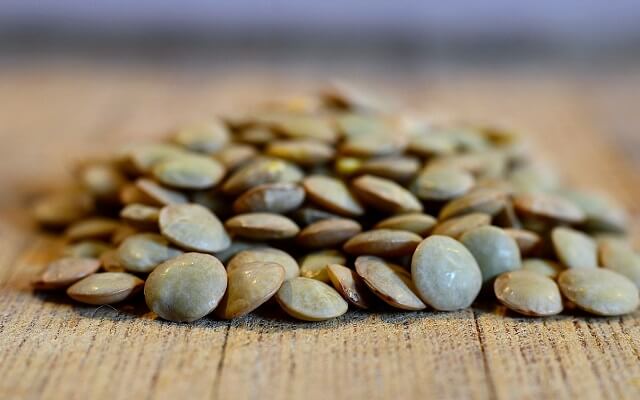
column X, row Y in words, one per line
column 405, row 33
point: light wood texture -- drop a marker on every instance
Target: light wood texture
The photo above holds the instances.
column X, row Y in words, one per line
column 51, row 115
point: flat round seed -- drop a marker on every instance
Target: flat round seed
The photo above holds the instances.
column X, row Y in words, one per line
column 420, row 224
column 457, row 226
column 391, row 283
column 206, row 137
column 314, row 265
column 64, row 208
column 350, row 285
column 445, row 274
column 310, row 300
column 469, row 139
column 256, row 135
column 268, row 255
column 144, row 156
column 343, row 96
column 102, row 180
column 66, row 271
column 494, row 184
column 328, row 233
column 158, row 194
column 614, row 239
column 494, row 250
column 574, row 248
column 383, row 243
column 500, row 136
column 140, row 215
column 547, row 268
column 374, row 144
column 599, row 291
column 385, row 195
column 442, row 183
column 186, row 288
column 234, row 155
column 535, row 177
column 527, row 241
column 360, row 125
column 250, row 285
column 482, row 165
column 105, row 288
column 239, row 119
column 143, row 252
column 86, row 249
column 603, row 214
column 297, row 126
column 92, row 228
column 396, row 168
column 263, row 170
column 110, row 262
column 548, row 206
column 278, row 198
column 189, row 172
column 621, row 258
column 528, row 293
column 303, row 152
column 332, row 194
column 604, row 238
column 262, row 226
column 487, row 201
column 193, row 227
column 436, row 143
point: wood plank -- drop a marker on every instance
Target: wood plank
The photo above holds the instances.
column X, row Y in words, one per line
column 51, row 348
column 409, row 355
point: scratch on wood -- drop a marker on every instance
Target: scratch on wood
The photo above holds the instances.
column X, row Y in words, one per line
column 623, row 328
column 485, row 361
column 223, row 352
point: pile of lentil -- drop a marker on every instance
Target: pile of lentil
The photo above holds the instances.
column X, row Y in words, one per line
column 334, row 201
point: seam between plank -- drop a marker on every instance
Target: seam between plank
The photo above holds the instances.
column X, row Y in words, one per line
column 485, row 362
column 223, row 353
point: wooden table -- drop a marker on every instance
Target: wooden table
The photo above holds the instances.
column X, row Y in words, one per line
column 52, row 114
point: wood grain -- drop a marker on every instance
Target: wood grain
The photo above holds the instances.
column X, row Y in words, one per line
column 53, row 349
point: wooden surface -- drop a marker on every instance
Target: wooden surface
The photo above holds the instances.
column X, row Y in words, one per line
column 52, row 349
